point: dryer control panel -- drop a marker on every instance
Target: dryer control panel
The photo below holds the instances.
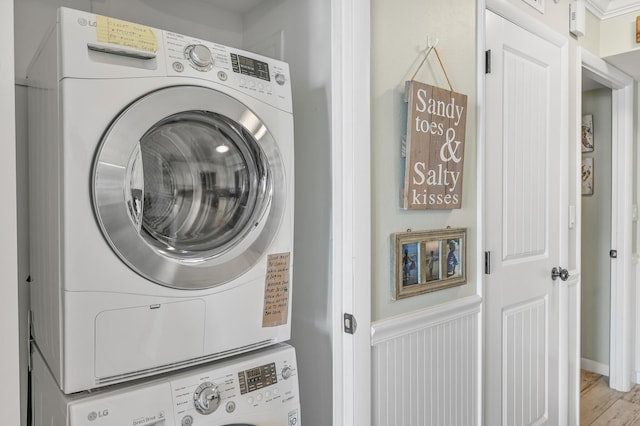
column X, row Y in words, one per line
column 102, row 47
column 263, row 78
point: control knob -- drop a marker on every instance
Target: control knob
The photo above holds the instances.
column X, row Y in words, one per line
column 199, row 56
column 286, row 372
column 280, row 79
column 206, row 398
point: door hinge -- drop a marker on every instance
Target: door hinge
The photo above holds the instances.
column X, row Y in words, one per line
column 487, row 262
column 487, row 61
column 350, row 324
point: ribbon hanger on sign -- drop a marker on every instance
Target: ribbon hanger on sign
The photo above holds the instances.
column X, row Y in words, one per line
column 431, row 46
column 433, row 146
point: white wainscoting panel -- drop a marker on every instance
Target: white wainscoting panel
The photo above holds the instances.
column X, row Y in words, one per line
column 425, row 367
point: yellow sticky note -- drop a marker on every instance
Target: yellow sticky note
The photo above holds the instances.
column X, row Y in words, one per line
column 123, row 33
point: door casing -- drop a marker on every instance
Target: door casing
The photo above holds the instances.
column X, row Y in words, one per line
column 622, row 276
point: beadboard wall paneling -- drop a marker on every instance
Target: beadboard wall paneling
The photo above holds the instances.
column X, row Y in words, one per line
column 426, row 367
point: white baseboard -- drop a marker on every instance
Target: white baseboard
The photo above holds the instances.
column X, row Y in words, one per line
column 594, row 367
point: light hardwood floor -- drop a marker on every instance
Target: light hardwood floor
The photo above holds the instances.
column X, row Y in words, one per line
column 600, row 405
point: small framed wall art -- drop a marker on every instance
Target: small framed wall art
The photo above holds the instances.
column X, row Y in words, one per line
column 426, row 261
column 587, row 176
column 587, row 133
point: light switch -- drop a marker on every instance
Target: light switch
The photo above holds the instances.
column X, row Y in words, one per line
column 572, row 217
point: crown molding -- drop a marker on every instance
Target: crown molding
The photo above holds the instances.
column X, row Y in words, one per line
column 604, row 9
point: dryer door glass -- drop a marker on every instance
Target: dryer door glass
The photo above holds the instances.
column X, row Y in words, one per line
column 198, row 183
column 189, row 187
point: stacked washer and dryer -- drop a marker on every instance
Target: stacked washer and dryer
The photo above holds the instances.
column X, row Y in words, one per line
column 161, row 204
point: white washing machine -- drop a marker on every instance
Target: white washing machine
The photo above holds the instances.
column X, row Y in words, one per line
column 161, row 200
column 259, row 389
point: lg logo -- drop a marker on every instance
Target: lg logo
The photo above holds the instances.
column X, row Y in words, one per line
column 84, row 22
column 97, row 415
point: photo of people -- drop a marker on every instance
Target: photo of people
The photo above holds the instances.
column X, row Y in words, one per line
column 453, row 258
column 431, row 261
column 427, row 261
column 410, row 269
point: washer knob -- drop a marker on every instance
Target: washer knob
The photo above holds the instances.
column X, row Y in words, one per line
column 286, row 372
column 206, row 398
column 199, row 56
column 280, row 79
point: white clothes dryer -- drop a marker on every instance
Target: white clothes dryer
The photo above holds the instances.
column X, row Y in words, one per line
column 259, row 389
column 161, row 200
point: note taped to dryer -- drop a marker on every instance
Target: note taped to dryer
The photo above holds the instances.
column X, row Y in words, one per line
column 123, row 33
column 276, row 290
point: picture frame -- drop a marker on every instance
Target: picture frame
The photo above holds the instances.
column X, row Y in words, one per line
column 587, row 176
column 426, row 261
column 587, row 133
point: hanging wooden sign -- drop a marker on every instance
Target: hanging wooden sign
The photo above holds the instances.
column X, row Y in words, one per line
column 436, row 124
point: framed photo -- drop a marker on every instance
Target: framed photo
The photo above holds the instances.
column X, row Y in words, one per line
column 587, row 176
column 587, row 133
column 427, row 261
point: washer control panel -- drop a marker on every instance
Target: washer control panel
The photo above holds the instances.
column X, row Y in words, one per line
column 263, row 78
column 259, row 383
column 257, row 378
column 247, row 389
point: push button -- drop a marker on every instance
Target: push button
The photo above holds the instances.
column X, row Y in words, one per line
column 178, row 67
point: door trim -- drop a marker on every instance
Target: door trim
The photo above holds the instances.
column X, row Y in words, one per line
column 10, row 404
column 621, row 337
column 351, row 211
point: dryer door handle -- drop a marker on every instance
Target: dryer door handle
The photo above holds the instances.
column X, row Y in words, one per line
column 121, row 51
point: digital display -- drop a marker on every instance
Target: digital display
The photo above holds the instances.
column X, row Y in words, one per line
column 257, row 378
column 256, row 373
column 250, row 67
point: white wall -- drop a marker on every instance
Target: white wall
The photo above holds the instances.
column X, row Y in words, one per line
column 596, row 234
column 591, row 39
column 9, row 354
column 620, row 34
column 399, row 31
column 306, row 29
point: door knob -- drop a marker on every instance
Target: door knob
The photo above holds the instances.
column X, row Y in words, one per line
column 559, row 272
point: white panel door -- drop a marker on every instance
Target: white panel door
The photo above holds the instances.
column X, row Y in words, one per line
column 525, row 145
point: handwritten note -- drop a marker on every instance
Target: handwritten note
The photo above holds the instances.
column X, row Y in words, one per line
column 123, row 33
column 276, row 290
